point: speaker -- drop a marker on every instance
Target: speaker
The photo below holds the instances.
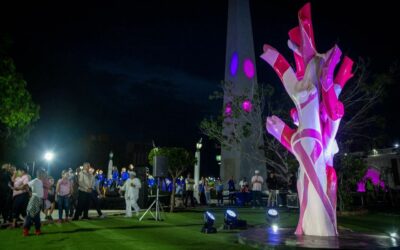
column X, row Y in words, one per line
column 160, row 168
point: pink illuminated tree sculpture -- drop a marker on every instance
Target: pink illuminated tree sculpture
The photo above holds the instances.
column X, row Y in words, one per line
column 314, row 91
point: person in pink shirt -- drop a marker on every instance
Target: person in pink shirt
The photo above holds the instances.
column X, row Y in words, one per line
column 63, row 191
column 20, row 179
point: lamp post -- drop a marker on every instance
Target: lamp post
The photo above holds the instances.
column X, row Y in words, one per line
column 199, row 145
column 48, row 156
column 110, row 165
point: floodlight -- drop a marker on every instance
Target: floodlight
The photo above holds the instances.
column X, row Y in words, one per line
column 274, row 228
column 230, row 217
column 393, row 235
column 209, row 219
column 48, row 156
column 272, row 212
column 232, row 221
column 272, row 217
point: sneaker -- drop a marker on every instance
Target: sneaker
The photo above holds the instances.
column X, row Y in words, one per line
column 25, row 232
column 102, row 216
column 59, row 221
column 38, row 232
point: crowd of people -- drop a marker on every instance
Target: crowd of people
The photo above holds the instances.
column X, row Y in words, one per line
column 242, row 194
column 23, row 199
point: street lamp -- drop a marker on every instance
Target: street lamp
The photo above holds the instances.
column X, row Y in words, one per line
column 199, row 145
column 110, row 165
column 218, row 159
column 48, row 156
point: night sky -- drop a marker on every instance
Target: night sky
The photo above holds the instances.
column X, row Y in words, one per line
column 143, row 70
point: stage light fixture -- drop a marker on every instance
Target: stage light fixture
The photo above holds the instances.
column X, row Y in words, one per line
column 272, row 216
column 230, row 217
column 274, row 228
column 209, row 220
column 232, row 221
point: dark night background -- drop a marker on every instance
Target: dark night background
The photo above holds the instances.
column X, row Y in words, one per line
column 117, row 72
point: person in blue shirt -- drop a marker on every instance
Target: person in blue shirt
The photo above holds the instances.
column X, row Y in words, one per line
column 232, row 190
column 180, row 186
column 202, row 192
column 96, row 194
column 220, row 190
column 124, row 176
column 115, row 174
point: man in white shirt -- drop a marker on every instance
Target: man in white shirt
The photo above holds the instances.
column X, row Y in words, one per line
column 131, row 188
column 189, row 184
column 85, row 181
column 34, row 205
column 257, row 182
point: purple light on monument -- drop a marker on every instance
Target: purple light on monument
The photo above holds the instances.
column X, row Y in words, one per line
column 234, row 63
column 248, row 68
column 246, row 105
column 228, row 109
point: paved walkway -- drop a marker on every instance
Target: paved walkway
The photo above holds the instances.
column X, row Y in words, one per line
column 265, row 238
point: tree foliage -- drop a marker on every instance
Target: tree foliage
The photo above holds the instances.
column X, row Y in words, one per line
column 178, row 160
column 362, row 124
column 276, row 157
column 18, row 112
column 351, row 171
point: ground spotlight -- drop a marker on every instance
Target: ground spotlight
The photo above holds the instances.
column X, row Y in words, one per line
column 274, row 228
column 209, row 220
column 272, row 216
column 230, row 217
column 232, row 221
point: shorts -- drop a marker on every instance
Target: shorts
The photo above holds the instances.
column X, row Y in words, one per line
column 46, row 204
column 51, row 198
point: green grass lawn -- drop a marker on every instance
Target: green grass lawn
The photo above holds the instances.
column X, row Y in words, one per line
column 179, row 231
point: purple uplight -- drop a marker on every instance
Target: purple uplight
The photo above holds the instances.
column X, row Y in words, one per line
column 234, row 63
column 246, row 105
column 248, row 68
column 228, row 109
column 373, row 175
column 361, row 187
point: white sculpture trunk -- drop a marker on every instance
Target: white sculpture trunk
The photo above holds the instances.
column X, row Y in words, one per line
column 317, row 115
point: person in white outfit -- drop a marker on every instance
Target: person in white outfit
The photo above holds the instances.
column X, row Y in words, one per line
column 131, row 188
column 257, row 182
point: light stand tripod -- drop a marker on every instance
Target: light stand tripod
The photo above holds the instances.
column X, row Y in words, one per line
column 157, row 215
